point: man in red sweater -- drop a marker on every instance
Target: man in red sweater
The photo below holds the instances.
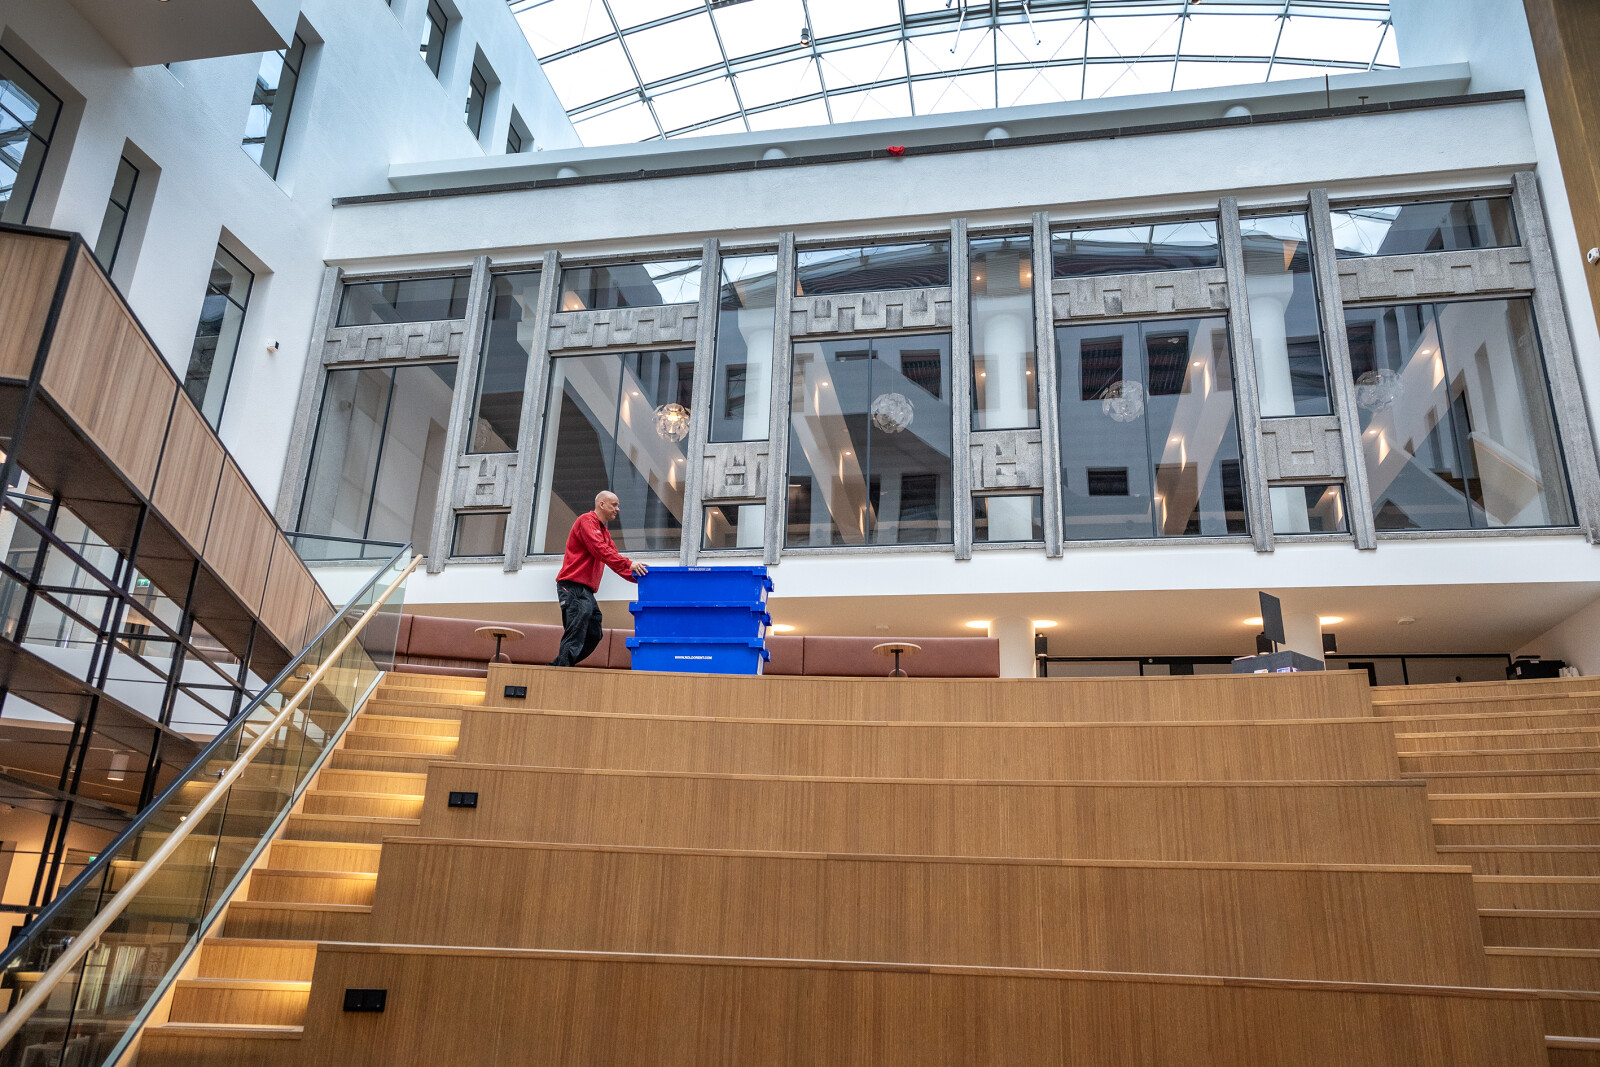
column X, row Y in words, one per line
column 589, row 550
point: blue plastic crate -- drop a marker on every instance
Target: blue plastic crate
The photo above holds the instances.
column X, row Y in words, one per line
column 704, row 585
column 697, row 657
column 693, row 622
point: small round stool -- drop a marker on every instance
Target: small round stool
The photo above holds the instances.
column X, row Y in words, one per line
column 500, row 633
column 897, row 649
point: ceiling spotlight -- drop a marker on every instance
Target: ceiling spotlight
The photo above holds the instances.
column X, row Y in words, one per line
column 1044, row 624
column 782, row 628
column 805, row 34
column 1329, row 620
column 1253, row 622
column 978, row 624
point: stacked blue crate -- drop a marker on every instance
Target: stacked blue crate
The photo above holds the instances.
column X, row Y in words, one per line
column 701, row 620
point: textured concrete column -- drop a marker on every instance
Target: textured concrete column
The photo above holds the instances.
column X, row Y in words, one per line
column 1341, row 382
column 960, row 390
column 1044, row 360
column 705, row 371
column 778, row 427
column 531, row 439
column 1016, row 646
column 1246, row 390
column 462, row 401
column 312, row 382
column 1303, row 634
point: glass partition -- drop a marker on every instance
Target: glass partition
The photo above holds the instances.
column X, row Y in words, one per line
column 870, row 441
column 1149, row 437
column 741, row 392
column 404, row 300
column 507, row 346
column 616, row 421
column 1284, row 323
column 864, row 268
column 1433, row 226
column 1133, row 249
column 1456, row 421
column 1005, row 395
column 631, row 285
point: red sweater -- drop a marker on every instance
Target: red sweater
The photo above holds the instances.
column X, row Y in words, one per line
column 589, row 550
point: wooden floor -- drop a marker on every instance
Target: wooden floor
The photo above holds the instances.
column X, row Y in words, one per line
column 666, row 870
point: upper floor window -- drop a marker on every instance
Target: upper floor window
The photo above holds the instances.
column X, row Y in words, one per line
column 270, row 105
column 477, row 97
column 1284, row 324
column 741, row 392
column 109, row 243
column 216, row 340
column 434, row 30
column 864, row 268
column 503, row 369
column 404, row 300
column 631, row 285
column 1432, row 226
column 28, row 113
column 1134, row 249
column 518, row 139
column 1004, row 392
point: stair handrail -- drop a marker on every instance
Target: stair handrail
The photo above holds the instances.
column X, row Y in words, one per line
column 12, row 1022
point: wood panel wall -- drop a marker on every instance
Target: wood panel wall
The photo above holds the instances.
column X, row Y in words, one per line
column 31, row 267
column 1240, row 822
column 1359, row 750
column 239, row 542
column 289, row 588
column 191, row 465
column 1398, row 924
column 1320, row 695
column 578, row 1008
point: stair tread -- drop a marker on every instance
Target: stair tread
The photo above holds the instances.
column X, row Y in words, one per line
column 1537, row 913
column 1532, row 820
column 1517, row 848
column 390, row 819
column 258, row 942
column 364, row 795
column 299, row 905
column 1562, row 1041
column 282, row 985
column 234, row 1030
column 292, row 872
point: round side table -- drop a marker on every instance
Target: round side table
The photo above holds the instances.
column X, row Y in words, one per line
column 897, row 649
column 500, row 633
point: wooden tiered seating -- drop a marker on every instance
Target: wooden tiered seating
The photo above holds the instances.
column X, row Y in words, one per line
column 674, row 870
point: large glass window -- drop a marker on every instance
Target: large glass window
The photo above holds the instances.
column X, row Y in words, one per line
column 503, row 370
column 1298, row 509
column 741, row 392
column 1434, row 226
column 631, row 285
column 518, row 139
column 1455, row 416
column 268, row 121
column 1149, row 436
column 864, row 268
column 28, row 113
column 477, row 96
column 378, row 453
column 407, row 300
column 1133, row 249
column 1004, row 393
column 434, row 29
column 729, row 526
column 109, row 243
column 1011, row 517
column 1283, row 316
column 869, row 442
column 616, row 421
column 216, row 339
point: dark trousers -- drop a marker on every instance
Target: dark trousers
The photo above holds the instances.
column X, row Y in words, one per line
column 580, row 619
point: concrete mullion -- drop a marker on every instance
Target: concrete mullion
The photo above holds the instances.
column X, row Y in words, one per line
column 960, row 389
column 1341, row 381
column 705, row 369
column 461, row 413
column 778, row 425
column 313, row 382
column 1561, row 366
column 1044, row 362
column 1246, row 387
column 533, row 406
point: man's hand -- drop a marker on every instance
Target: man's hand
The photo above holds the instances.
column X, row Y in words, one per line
column 638, row 568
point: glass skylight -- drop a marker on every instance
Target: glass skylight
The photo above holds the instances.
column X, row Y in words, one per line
column 638, row 70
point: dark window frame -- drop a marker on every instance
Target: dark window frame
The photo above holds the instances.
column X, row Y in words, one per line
column 436, row 23
column 276, row 135
column 123, row 209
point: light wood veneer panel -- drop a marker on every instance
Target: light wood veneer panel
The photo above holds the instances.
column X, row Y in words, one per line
column 1338, row 924
column 504, row 1007
column 1267, row 823
column 31, row 267
column 239, row 542
column 108, row 378
column 1361, row 750
column 1319, row 695
column 287, row 601
column 191, row 463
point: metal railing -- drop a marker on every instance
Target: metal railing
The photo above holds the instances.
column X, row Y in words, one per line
column 94, row 964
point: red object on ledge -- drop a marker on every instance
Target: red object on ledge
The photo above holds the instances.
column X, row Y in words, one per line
column 896, row 150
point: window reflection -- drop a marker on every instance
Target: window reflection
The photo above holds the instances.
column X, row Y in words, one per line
column 1130, row 249
column 741, row 392
column 616, row 421
column 1308, row 509
column 1283, row 316
column 869, row 442
column 1455, row 417
column 507, row 346
column 28, row 113
column 734, row 526
column 1004, row 394
column 404, row 300
column 1011, row 517
column 1149, row 440
column 631, row 285
column 864, row 268
column 1436, row 226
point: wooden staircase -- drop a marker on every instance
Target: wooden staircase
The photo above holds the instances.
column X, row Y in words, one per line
column 247, row 991
column 682, row 870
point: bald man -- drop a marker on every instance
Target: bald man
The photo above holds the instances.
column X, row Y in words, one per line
column 589, row 551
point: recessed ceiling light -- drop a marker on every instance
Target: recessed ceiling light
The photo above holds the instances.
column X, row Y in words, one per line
column 1253, row 622
column 1044, row 624
column 978, row 624
column 1406, row 620
column 1329, row 620
column 782, row 628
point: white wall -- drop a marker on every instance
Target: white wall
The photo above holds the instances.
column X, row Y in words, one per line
column 366, row 101
column 1577, row 640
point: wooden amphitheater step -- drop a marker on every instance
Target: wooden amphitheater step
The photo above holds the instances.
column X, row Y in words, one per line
column 324, row 856
column 1495, row 740
column 1573, row 1013
column 403, row 783
column 257, row 958
column 1514, row 805
column 374, row 723
column 294, row 922
column 355, row 759
column 193, row 1045
column 1582, row 860
column 352, row 829
column 404, row 744
column 1574, row 969
column 1558, row 780
column 1576, row 718
column 1531, row 928
column 1537, row 892
column 311, row 887
column 1519, row 831
column 362, row 803
column 1509, row 759
column 240, row 1001
column 1573, row 1051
